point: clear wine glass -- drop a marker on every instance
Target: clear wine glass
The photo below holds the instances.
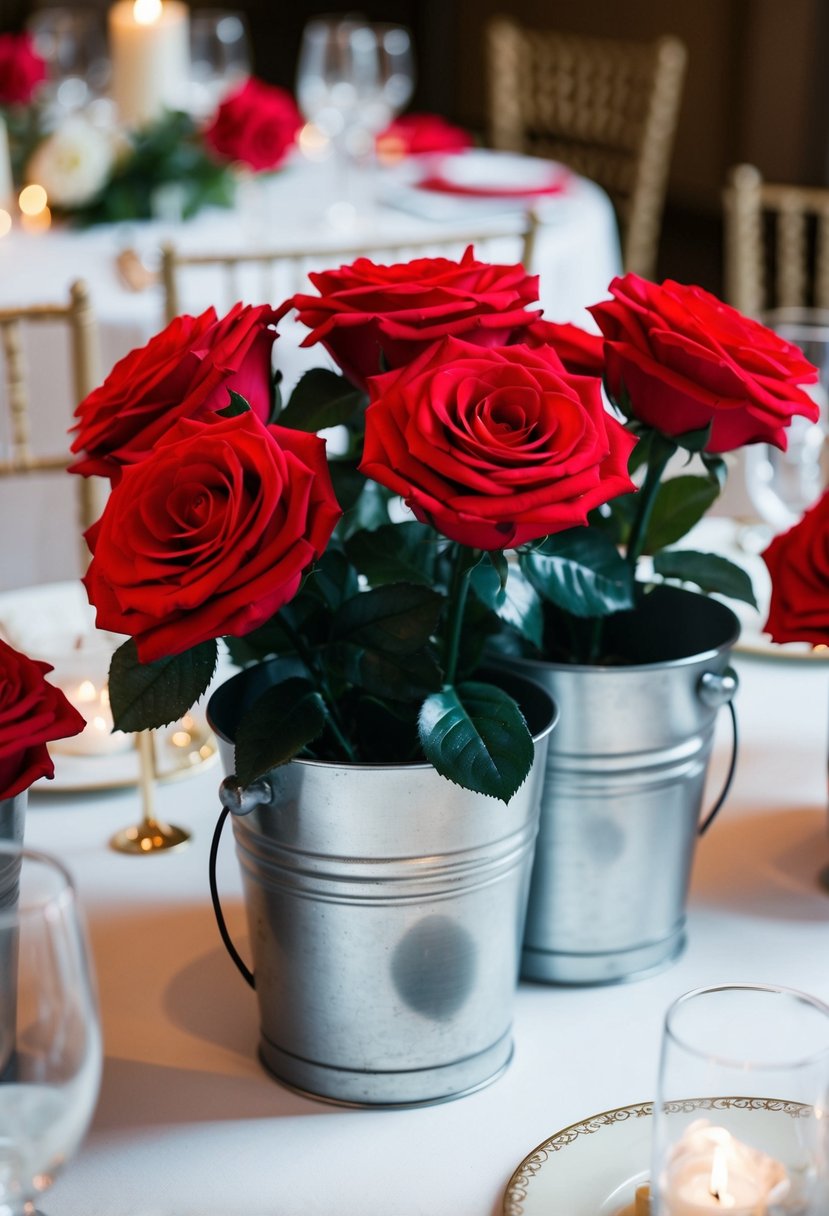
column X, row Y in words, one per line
column 50, row 1039
column 782, row 485
column 220, row 57
column 352, row 78
column 72, row 41
column 740, row 1120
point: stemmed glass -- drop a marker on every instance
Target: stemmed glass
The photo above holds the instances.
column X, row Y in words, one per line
column 50, row 1039
column 352, row 78
column 220, row 57
column 740, row 1120
column 781, row 485
column 72, row 41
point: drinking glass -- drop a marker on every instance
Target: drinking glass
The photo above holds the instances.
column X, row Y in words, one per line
column 72, row 41
column 740, row 1120
column 220, row 57
column 352, row 78
column 50, row 1040
column 781, row 485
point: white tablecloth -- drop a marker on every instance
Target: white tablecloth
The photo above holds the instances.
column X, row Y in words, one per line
column 577, row 255
column 190, row 1125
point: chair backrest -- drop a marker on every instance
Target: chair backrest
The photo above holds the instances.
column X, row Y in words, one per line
column 607, row 108
column 279, row 272
column 20, row 456
column 776, row 244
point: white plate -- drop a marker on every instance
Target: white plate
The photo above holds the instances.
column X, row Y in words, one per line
column 498, row 174
column 592, row 1168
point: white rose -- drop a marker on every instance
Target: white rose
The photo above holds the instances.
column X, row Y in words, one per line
column 72, row 164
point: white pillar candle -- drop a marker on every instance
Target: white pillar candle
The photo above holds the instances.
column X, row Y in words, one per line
column 6, row 183
column 149, row 49
column 710, row 1171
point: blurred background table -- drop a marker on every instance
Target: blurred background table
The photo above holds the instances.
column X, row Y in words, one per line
column 190, row 1125
column 577, row 254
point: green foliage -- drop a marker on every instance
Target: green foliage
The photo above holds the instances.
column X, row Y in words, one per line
column 475, row 735
column 144, row 696
column 322, row 399
column 709, row 571
column 167, row 155
column 581, row 571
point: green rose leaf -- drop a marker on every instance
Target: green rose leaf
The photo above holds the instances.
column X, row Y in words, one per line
column 238, row 405
column 394, row 553
column 145, row 696
column 393, row 677
column 709, row 571
column 581, row 571
column 475, row 735
column 395, row 619
column 278, row 726
column 517, row 604
column 680, row 503
column 321, row 399
column 695, row 441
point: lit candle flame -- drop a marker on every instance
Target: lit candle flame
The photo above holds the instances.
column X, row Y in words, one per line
column 87, row 691
column 719, row 1178
column 146, row 12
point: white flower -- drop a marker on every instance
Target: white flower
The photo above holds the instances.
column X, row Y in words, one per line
column 72, row 164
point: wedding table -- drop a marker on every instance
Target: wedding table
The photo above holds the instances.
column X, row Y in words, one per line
column 188, row 1123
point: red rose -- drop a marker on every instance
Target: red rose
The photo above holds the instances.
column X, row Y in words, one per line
column 580, row 352
column 32, row 714
column 21, row 69
column 685, row 360
column 210, row 534
column 414, row 134
column 798, row 563
column 184, row 372
column 494, row 447
column 256, row 125
column 366, row 314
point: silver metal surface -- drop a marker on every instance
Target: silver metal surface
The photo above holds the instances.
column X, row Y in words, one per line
column 625, row 773
column 385, row 908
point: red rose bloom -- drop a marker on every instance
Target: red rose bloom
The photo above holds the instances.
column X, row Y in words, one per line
column 414, row 134
column 210, row 534
column 580, row 352
column 21, row 69
column 798, row 562
column 685, row 360
column 32, row 714
column 494, row 447
column 184, row 372
column 256, row 125
column 366, row 315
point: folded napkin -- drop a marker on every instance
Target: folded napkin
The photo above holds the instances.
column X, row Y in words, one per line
column 419, row 134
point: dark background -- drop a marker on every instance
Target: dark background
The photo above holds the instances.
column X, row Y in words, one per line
column 757, row 89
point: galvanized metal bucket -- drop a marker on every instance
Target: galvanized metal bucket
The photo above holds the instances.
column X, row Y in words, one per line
column 621, row 807
column 385, row 907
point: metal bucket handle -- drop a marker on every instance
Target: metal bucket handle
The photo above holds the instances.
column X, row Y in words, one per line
column 240, row 800
column 715, row 690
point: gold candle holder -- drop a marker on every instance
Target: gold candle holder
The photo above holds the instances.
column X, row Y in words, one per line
column 151, row 835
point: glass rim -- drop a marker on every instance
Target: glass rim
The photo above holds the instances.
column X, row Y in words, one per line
column 806, row 998
column 65, row 893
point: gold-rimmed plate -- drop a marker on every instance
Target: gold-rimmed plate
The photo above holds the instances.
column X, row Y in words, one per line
column 593, row 1168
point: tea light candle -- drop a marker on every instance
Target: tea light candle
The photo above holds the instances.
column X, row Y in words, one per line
column 149, row 50
column 710, row 1171
column 81, row 673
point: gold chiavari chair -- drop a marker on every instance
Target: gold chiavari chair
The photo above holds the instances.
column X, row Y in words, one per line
column 776, row 244
column 282, row 271
column 607, row 108
column 19, row 457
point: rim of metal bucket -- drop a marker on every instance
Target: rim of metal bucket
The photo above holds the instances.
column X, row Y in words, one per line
column 225, row 692
column 698, row 656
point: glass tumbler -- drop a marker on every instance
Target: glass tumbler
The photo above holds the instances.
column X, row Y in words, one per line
column 741, row 1118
